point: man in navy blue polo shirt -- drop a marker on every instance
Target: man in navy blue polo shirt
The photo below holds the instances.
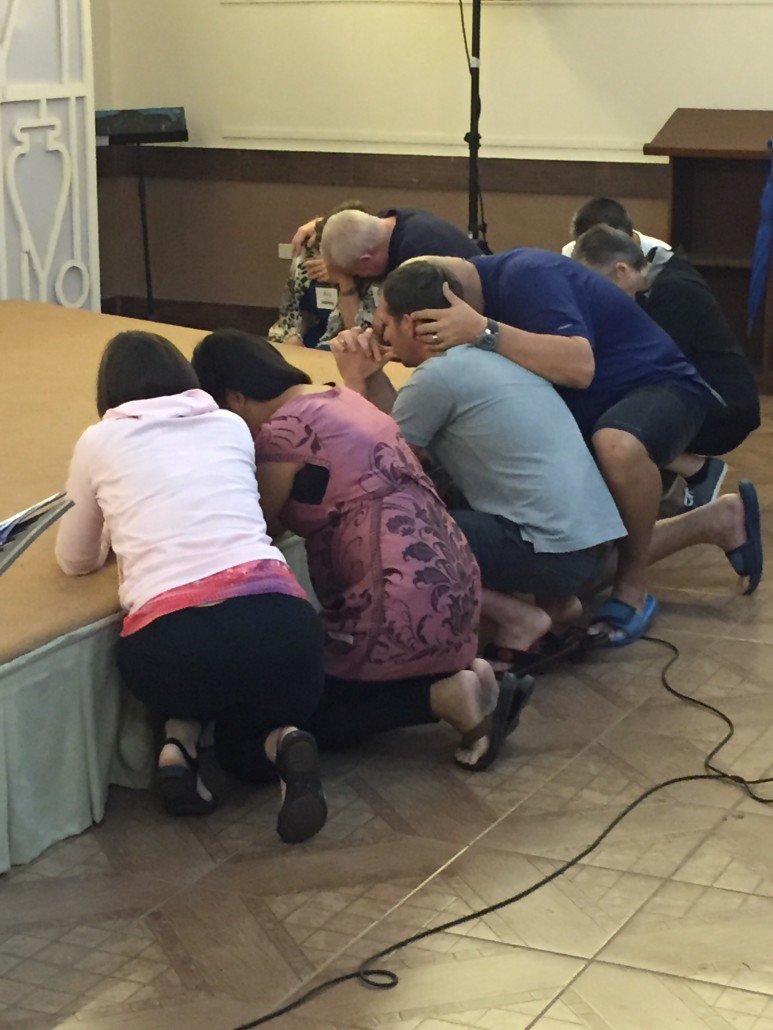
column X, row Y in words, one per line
column 371, row 246
column 635, row 397
column 681, row 301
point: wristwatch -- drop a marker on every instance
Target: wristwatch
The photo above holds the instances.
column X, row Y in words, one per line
column 489, row 338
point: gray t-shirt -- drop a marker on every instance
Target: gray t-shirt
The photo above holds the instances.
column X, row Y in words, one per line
column 511, row 445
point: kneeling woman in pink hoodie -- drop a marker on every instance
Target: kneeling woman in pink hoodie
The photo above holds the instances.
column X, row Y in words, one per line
column 217, row 626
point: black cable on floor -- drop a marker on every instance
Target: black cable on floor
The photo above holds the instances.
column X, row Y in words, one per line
column 385, row 979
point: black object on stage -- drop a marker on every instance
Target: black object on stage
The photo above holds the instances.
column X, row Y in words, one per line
column 19, row 531
column 476, row 230
column 133, row 127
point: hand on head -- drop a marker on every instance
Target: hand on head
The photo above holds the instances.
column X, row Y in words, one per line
column 442, row 328
column 305, row 236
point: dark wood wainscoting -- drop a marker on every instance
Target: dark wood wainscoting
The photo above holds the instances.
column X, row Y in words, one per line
column 583, row 179
column 217, row 216
column 196, row 314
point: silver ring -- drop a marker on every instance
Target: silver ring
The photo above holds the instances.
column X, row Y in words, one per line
column 434, row 337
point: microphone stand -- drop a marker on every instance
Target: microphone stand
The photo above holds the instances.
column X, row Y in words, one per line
column 150, row 308
column 475, row 230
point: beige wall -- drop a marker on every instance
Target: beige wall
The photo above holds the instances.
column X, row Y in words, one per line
column 100, row 30
column 573, row 79
column 389, row 76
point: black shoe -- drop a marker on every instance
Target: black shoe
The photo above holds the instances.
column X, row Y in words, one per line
column 304, row 809
column 177, row 785
column 703, row 487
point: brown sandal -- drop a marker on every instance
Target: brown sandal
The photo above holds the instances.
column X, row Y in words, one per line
column 494, row 727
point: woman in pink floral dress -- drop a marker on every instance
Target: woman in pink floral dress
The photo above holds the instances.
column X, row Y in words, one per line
column 397, row 583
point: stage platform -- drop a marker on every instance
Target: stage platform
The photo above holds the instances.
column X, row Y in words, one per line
column 67, row 726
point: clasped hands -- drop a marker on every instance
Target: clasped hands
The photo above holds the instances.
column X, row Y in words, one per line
column 359, row 354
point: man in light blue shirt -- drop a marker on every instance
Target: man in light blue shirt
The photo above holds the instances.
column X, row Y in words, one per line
column 541, row 518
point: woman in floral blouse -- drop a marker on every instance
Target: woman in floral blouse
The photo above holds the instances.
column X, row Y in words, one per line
column 398, row 586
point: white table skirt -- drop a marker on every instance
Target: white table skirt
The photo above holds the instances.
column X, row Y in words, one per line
column 68, row 729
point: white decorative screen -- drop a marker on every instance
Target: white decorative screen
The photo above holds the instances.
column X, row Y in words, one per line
column 48, row 215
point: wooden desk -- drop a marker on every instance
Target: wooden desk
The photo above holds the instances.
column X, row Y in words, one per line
column 719, row 162
column 68, row 728
column 49, row 358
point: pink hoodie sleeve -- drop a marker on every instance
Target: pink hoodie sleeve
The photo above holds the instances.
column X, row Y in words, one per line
column 82, row 543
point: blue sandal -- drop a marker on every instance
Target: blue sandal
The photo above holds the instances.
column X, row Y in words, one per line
column 624, row 618
column 747, row 560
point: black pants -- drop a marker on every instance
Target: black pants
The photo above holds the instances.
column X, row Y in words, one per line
column 726, row 426
column 251, row 664
column 725, row 429
column 351, row 711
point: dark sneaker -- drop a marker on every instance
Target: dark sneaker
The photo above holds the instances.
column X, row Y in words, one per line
column 304, row 808
column 703, row 487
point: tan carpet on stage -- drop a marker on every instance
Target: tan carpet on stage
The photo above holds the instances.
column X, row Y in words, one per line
column 49, row 358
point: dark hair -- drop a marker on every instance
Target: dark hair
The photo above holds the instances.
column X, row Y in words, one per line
column 137, row 365
column 232, row 360
column 346, row 205
column 603, row 246
column 416, row 285
column 601, row 210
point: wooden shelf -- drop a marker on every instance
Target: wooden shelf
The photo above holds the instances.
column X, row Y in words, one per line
column 701, row 260
column 719, row 162
column 709, row 132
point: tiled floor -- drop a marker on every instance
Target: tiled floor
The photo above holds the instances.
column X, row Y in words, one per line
column 145, row 923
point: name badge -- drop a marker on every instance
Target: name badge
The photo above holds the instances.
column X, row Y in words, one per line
column 327, row 297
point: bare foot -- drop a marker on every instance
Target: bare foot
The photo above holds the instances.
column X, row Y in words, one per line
column 490, row 689
column 563, row 611
column 187, row 732
column 271, row 746
column 727, row 521
column 519, row 624
column 464, row 700
column 628, row 594
column 274, row 739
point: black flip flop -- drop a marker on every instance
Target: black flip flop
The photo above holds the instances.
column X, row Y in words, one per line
column 550, row 648
column 177, row 785
column 494, row 726
column 523, row 688
column 304, row 809
column 748, row 559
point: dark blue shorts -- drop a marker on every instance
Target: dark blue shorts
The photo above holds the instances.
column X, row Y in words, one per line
column 663, row 417
column 509, row 564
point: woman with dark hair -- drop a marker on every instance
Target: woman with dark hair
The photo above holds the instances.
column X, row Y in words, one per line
column 398, row 586
column 319, row 302
column 216, row 627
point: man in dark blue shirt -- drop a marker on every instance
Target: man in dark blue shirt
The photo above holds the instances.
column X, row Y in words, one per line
column 682, row 303
column 636, row 398
column 370, row 246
